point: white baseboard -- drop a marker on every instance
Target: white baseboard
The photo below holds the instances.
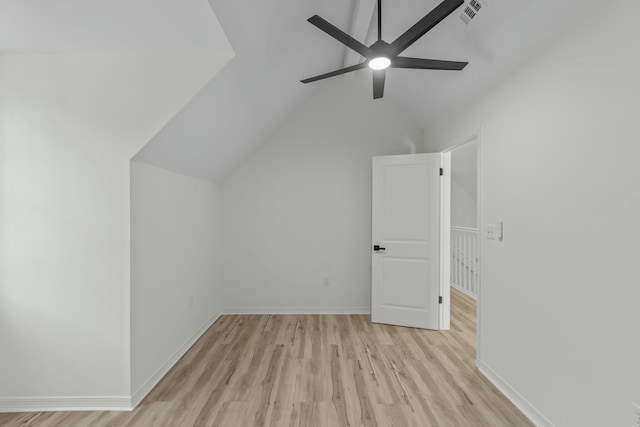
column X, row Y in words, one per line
column 65, row 403
column 148, row 385
column 290, row 310
column 155, row 378
column 103, row 403
column 464, row 291
column 126, row 403
column 530, row 411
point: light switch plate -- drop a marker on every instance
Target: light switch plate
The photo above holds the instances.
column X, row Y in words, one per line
column 636, row 415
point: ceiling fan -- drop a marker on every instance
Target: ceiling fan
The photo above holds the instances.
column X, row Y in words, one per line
column 382, row 55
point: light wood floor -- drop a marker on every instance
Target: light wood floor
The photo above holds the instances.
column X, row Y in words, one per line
column 316, row 371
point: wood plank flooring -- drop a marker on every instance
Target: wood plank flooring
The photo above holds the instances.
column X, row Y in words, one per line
column 316, row 371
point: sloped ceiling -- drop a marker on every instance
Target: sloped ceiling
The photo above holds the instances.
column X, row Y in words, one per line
column 113, row 26
column 275, row 47
column 174, row 47
column 247, row 101
column 504, row 34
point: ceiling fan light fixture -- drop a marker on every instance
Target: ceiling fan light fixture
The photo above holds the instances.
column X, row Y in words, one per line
column 379, row 63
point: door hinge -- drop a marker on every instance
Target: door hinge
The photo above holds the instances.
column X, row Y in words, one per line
column 439, row 300
column 441, row 171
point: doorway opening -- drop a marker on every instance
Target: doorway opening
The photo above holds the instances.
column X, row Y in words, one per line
column 464, row 219
column 425, row 252
column 463, row 234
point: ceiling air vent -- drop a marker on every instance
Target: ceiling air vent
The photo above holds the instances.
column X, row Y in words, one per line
column 471, row 10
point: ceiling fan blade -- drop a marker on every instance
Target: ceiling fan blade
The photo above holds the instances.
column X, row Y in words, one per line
column 339, row 35
column 378, row 83
column 335, row 73
column 427, row 64
column 430, row 20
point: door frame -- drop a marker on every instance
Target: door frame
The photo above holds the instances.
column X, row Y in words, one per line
column 445, row 242
column 445, row 231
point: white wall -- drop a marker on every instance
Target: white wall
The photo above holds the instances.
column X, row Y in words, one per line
column 176, row 247
column 560, row 320
column 300, row 208
column 464, row 185
column 463, row 207
column 70, row 124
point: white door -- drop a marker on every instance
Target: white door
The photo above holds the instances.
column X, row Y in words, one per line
column 405, row 282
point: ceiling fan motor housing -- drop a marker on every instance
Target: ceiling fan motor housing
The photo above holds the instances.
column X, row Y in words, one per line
column 380, row 48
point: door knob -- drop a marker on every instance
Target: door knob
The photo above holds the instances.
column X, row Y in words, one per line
column 377, row 248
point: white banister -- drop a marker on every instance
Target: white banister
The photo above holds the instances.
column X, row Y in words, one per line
column 464, row 260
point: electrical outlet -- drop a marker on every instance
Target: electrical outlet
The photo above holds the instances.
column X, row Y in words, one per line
column 326, row 281
column 491, row 232
column 636, row 415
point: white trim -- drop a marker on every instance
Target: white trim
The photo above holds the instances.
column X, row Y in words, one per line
column 478, row 136
column 457, row 143
column 479, row 246
column 445, row 243
column 155, row 378
column 65, row 403
column 530, row 411
column 296, row 310
column 469, row 229
column 464, row 291
column 104, row 403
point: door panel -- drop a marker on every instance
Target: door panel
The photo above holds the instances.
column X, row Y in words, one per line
column 407, row 277
column 406, row 206
column 406, row 226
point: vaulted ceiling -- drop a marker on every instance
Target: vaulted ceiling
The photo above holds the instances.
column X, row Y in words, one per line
column 259, row 88
column 110, row 27
column 274, row 48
